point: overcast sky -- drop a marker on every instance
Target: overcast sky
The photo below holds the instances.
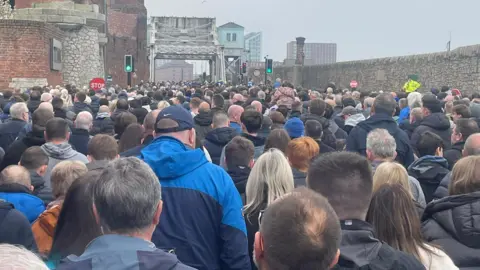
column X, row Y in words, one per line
column 362, row 29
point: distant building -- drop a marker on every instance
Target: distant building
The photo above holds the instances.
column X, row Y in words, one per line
column 231, row 35
column 175, row 70
column 253, row 46
column 315, row 53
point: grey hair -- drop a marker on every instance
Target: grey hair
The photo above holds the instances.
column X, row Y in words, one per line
column 84, row 120
column 220, row 119
column 338, row 100
column 381, row 143
column 18, row 109
column 17, row 257
column 46, row 97
column 316, row 94
column 414, row 100
column 127, row 197
column 261, row 95
column 270, row 178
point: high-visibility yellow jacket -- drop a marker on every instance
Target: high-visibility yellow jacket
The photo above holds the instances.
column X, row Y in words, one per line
column 411, row 86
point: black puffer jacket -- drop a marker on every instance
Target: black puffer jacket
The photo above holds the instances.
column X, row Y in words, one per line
column 79, row 107
column 328, row 137
column 452, row 223
column 32, row 105
column 442, row 190
column 453, row 154
column 103, row 124
column 437, row 123
column 429, row 171
column 217, row 139
column 203, row 122
column 239, row 175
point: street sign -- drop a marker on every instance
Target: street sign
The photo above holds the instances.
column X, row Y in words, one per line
column 97, row 84
column 109, row 78
column 353, row 84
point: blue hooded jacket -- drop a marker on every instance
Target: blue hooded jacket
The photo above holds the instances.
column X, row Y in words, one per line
column 18, row 195
column 202, row 211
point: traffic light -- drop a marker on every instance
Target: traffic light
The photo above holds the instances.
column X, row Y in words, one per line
column 269, row 67
column 128, row 63
column 244, row 68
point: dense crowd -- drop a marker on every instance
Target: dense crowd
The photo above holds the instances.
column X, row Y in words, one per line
column 175, row 176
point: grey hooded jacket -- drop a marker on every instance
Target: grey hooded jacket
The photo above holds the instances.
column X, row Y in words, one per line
column 58, row 153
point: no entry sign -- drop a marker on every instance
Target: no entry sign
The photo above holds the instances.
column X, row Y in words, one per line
column 353, row 84
column 97, row 84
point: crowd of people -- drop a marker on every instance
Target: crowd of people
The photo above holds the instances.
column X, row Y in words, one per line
column 169, row 176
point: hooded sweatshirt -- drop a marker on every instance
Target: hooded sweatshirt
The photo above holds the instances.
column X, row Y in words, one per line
column 203, row 122
column 216, row 140
column 352, row 121
column 202, row 214
column 58, row 153
column 436, row 123
column 429, row 171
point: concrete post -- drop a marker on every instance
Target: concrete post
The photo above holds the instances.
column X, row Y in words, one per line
column 300, row 51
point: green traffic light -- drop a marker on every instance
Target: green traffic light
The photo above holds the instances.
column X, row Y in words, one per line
column 269, row 70
column 128, row 68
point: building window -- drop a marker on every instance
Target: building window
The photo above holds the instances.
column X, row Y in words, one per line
column 234, row 37
column 55, row 55
column 229, row 37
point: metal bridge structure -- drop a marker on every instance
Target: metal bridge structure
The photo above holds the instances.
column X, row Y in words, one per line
column 186, row 38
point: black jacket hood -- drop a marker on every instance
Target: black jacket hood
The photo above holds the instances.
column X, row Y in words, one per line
column 309, row 116
column 221, row 136
column 436, row 121
column 34, row 138
column 203, row 118
column 256, row 140
column 379, row 120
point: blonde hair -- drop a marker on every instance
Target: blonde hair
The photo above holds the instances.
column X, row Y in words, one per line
column 67, row 98
column 390, row 173
column 465, row 176
column 162, row 105
column 113, row 105
column 17, row 257
column 270, row 178
column 64, row 174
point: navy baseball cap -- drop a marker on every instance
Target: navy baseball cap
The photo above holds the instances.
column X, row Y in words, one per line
column 178, row 114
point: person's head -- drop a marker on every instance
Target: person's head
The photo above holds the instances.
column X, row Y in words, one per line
column 465, row 176
column 430, row 104
column 34, row 159
column 220, row 120
column 15, row 174
column 218, row 101
column 277, row 118
column 283, row 109
column 472, row 145
column 149, row 122
column 84, row 120
column 17, row 257
column 301, row 152
column 430, row 144
column 299, row 228
column 76, row 225
column 380, row 145
column 368, row 102
column 239, row 152
column 341, row 175
column 128, row 199
column 195, row 104
column 251, row 121
column 416, row 115
column 40, row 117
column 131, row 137
column 57, row 103
column 35, row 95
column 19, row 111
column 271, row 177
column 122, row 104
column 461, row 111
column 384, row 104
column 235, row 112
column 46, row 97
column 414, row 100
column 46, row 106
column 80, row 97
column 104, row 109
column 204, row 107
column 278, row 139
column 313, row 129
column 122, row 121
column 389, row 173
column 102, row 147
column 463, row 129
column 295, row 128
column 162, row 105
column 237, row 99
column 56, row 130
column 64, row 174
column 402, row 103
column 317, row 107
column 395, row 219
column 176, row 122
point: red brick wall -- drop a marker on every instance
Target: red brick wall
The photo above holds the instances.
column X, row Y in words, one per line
column 28, row 3
column 127, row 34
column 25, row 51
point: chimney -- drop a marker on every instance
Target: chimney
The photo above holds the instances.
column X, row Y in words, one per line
column 300, row 51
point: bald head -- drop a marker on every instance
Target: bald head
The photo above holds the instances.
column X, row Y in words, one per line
column 150, row 120
column 472, row 145
column 46, row 97
column 234, row 113
column 15, row 174
column 258, row 106
column 46, row 106
column 204, row 107
column 237, row 98
column 84, row 120
column 104, row 109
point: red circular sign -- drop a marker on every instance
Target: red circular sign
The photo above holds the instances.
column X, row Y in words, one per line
column 353, row 84
column 97, row 84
